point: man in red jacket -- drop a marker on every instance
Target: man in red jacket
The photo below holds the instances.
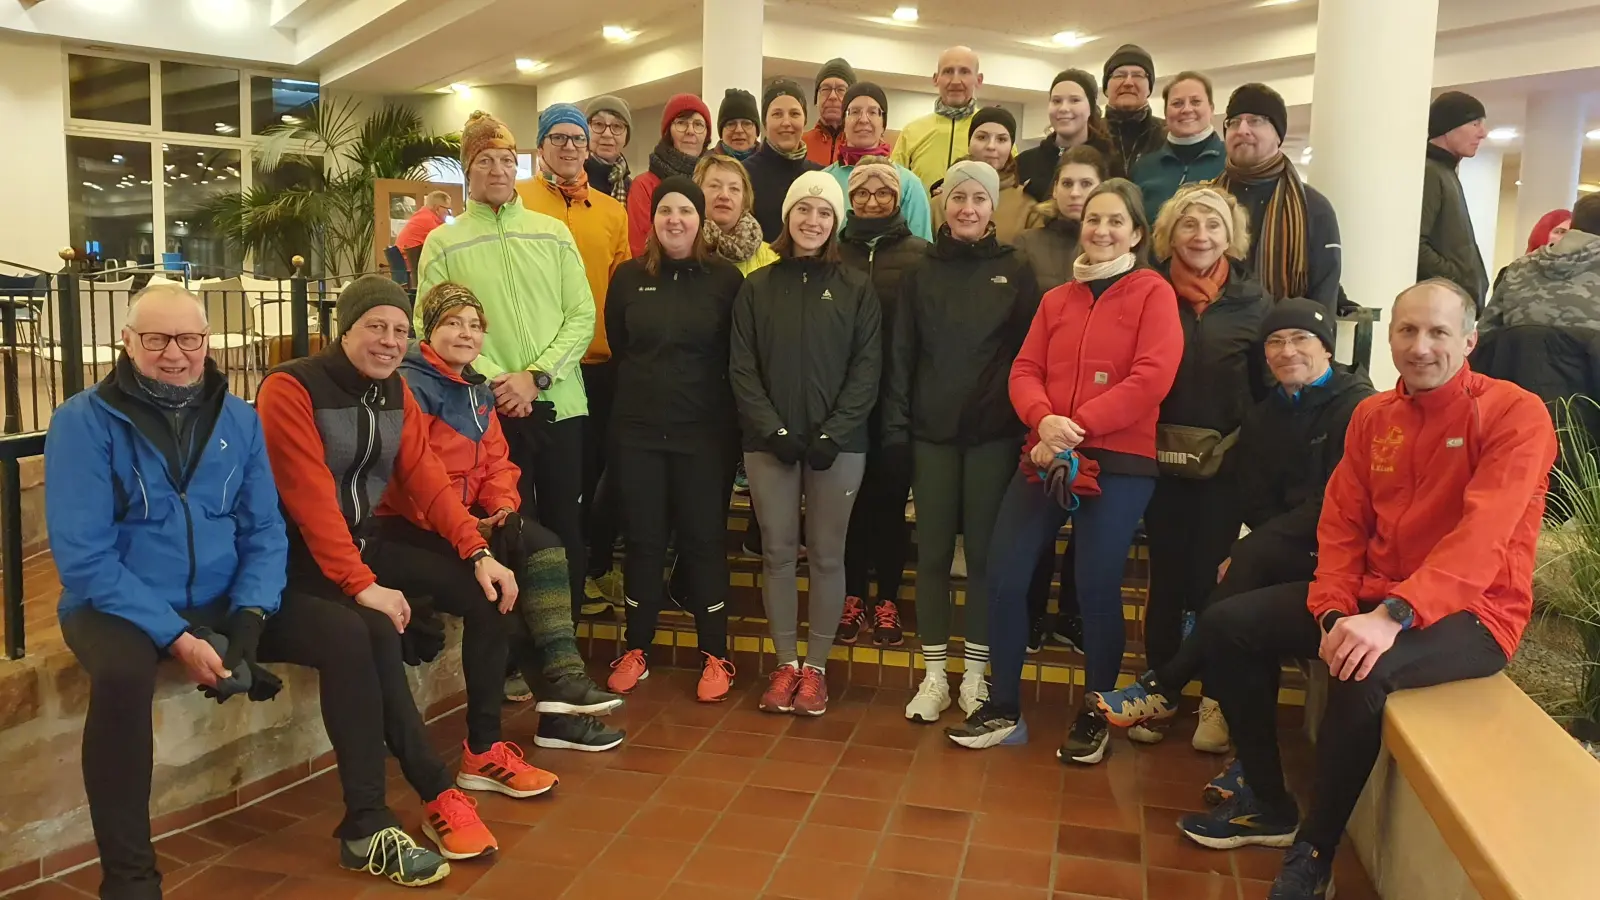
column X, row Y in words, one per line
column 1424, row 576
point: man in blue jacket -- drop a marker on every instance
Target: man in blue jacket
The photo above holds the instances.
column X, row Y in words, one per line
column 164, row 524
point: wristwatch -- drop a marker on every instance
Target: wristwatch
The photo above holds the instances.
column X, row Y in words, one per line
column 480, row 554
column 542, row 380
column 1400, row 611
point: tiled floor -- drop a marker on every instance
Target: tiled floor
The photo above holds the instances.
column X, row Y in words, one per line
column 721, row 802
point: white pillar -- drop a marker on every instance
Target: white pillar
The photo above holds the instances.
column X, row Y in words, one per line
column 1369, row 156
column 1480, row 182
column 730, row 52
column 1552, row 150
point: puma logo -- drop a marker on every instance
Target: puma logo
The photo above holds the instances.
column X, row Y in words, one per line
column 1173, row 457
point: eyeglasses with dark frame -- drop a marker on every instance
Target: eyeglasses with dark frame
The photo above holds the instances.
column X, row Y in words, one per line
column 568, row 140
column 884, row 196
column 156, row 341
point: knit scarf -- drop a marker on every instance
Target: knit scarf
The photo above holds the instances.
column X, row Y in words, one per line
column 849, row 156
column 740, row 155
column 619, row 178
column 576, row 191
column 1085, row 271
column 167, row 396
column 667, row 161
column 738, row 244
column 799, row 152
column 1199, row 289
column 1282, row 258
column 955, row 113
column 1192, row 139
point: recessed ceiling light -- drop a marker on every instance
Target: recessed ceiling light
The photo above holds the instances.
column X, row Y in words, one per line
column 1069, row 39
column 461, row 88
column 616, row 34
column 528, row 66
column 1276, row 2
column 1587, row 188
column 1504, row 133
column 1593, row 135
column 905, row 14
column 225, row 128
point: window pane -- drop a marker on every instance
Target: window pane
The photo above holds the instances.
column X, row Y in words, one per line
column 199, row 99
column 280, row 101
column 291, row 237
column 108, row 90
column 109, row 205
column 194, row 177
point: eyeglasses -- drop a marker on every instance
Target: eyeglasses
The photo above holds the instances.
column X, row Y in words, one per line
column 1133, row 75
column 1294, row 341
column 568, row 140
column 691, row 126
column 1250, row 119
column 617, row 128
column 871, row 112
column 883, row 196
column 155, row 341
column 832, row 92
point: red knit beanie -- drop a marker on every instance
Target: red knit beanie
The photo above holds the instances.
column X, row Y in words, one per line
column 680, row 104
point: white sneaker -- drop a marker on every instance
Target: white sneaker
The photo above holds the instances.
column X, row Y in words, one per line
column 1211, row 735
column 933, row 698
column 958, row 563
column 973, row 692
column 1141, row 734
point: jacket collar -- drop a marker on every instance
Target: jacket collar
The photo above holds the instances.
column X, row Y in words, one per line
column 344, row 373
column 947, row 246
column 424, row 360
column 1462, row 386
column 118, row 389
column 487, row 213
column 1439, row 154
column 1211, row 146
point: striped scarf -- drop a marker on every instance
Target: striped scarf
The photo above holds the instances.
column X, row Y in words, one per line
column 1282, row 258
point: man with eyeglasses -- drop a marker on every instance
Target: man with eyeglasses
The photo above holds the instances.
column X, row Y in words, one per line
column 168, row 540
column 1128, row 77
column 825, row 140
column 1294, row 233
column 866, row 109
column 527, row 269
column 610, row 127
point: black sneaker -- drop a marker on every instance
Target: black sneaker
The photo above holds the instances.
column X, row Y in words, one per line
column 851, row 621
column 1088, row 741
column 1307, row 875
column 1036, row 636
column 575, row 695
column 989, row 727
column 886, row 630
column 395, row 856
column 1240, row 821
column 576, row 733
column 1069, row 633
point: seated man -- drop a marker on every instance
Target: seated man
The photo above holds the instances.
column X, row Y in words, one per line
column 1288, row 446
column 164, row 526
column 341, row 429
column 1424, row 575
column 457, row 404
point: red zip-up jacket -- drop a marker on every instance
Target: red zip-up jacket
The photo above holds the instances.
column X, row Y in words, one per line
column 1438, row 502
column 1105, row 364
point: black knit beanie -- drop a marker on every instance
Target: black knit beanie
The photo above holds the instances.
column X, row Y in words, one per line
column 1306, row 315
column 1129, row 55
column 1082, row 79
column 1451, row 110
column 993, row 114
column 868, row 89
column 833, row 68
column 738, row 104
column 679, row 184
column 783, row 87
column 1259, row 100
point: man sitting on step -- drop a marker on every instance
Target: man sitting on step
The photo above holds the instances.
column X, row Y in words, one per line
column 164, row 526
column 1426, row 545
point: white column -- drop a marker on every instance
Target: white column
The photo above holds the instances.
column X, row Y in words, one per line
column 730, row 51
column 1480, row 182
column 1369, row 156
column 1552, row 149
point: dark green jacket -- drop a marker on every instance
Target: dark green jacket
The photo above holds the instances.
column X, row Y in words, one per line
column 1448, row 248
column 1161, row 172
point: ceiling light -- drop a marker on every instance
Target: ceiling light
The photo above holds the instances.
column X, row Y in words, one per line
column 116, row 157
column 462, row 89
column 1504, row 133
column 1276, row 2
column 616, row 34
column 225, row 128
column 90, row 184
column 290, row 120
column 1069, row 39
column 529, row 66
column 1305, row 155
column 1593, row 135
column 1588, row 188
column 905, row 14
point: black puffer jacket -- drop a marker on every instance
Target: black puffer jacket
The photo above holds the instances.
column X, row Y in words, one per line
column 1051, row 248
column 1286, row 453
column 884, row 252
column 669, row 340
column 1449, row 249
column 1036, row 166
column 1223, row 372
column 806, row 353
column 965, row 309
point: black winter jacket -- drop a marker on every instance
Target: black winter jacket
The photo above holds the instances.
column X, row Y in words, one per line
column 771, row 173
column 1051, row 249
column 1324, row 255
column 1286, row 453
column 965, row 309
column 806, row 353
column 669, row 338
column 1552, row 362
column 884, row 255
column 1448, row 248
column 1134, row 136
column 1223, row 372
column 1036, row 166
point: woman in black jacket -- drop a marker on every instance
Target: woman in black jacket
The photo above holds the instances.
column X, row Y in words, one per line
column 965, row 308
column 669, row 314
column 1201, row 238
column 877, row 241
column 1075, row 121
column 805, row 363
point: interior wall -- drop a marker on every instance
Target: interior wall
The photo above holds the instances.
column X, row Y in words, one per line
column 33, row 96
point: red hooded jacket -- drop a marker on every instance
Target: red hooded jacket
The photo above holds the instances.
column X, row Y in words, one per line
column 1104, row 363
column 1438, row 502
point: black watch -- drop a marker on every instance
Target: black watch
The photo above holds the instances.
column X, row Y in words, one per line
column 480, row 554
column 542, row 380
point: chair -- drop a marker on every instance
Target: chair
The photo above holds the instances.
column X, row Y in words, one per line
column 228, row 309
column 102, row 315
column 398, row 270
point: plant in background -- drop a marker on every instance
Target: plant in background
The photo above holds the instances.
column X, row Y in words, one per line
column 313, row 193
column 1568, row 579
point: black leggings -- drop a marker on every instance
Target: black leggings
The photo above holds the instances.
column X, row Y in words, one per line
column 118, row 737
column 1190, row 524
column 551, row 459
column 601, row 504
column 879, row 538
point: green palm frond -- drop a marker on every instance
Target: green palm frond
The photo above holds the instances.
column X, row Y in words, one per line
column 1569, row 579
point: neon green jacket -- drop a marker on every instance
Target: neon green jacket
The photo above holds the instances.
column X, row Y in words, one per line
column 525, row 268
column 927, row 146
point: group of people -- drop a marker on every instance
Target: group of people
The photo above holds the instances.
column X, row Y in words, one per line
column 1019, row 341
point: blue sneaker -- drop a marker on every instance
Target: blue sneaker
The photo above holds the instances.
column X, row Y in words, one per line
column 1222, row 788
column 741, row 481
column 987, row 727
column 1307, row 875
column 1189, row 618
column 1240, row 822
column 1138, row 703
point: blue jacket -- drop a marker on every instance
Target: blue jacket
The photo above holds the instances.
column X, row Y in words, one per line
column 1160, row 172
column 132, row 541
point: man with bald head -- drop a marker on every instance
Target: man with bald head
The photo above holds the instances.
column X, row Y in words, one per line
column 927, row 146
column 164, row 524
column 1425, row 555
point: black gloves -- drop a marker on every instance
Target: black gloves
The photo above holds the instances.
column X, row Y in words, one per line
column 821, row 454
column 786, row 446
column 237, row 647
column 423, row 639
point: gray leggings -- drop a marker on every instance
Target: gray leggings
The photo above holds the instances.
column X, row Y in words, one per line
column 775, row 491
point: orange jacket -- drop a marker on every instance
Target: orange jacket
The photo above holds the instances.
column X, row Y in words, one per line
column 1438, row 502
column 464, row 432
column 822, row 148
column 599, row 226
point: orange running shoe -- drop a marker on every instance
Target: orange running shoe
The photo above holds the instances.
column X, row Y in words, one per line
column 503, row 769
column 716, row 679
column 453, row 825
column 627, row 672
column 779, row 696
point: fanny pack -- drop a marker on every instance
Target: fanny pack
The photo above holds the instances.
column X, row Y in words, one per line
column 1190, row 452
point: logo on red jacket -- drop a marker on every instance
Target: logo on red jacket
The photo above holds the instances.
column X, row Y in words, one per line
column 483, row 409
column 1385, row 449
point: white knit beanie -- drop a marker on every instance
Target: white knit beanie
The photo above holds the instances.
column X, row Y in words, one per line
column 815, row 184
column 973, row 170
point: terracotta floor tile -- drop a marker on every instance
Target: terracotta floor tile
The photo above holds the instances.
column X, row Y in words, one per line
column 877, row 759
column 888, row 885
column 862, row 783
column 997, row 864
column 1168, row 851
column 670, row 737
column 717, row 867
column 760, row 833
column 832, row 843
column 1172, row 884
column 793, row 776
column 804, row 750
column 304, row 888
column 1182, row 795
column 1018, row 801
column 905, row 853
column 47, row 890
column 226, row 833
column 654, row 760
column 1099, row 878
column 983, row 890
column 697, row 715
column 591, row 814
column 187, row 848
column 679, row 890
column 601, row 884
column 739, row 743
column 851, row 812
column 645, row 857
column 696, row 793
column 1259, row 863
column 1002, row 829
column 754, row 721
column 510, row 879
column 633, row 787
column 1098, row 843
column 900, row 735
column 963, row 792
column 554, row 844
column 773, row 803
column 930, row 822
column 1250, row 889
column 229, row 881
column 717, row 767
column 1100, row 814
column 672, row 823
column 830, row 728
column 809, row 879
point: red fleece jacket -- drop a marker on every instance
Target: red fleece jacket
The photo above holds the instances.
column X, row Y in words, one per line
column 1438, row 501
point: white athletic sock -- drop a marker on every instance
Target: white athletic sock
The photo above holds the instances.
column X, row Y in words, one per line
column 977, row 657
column 933, row 656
